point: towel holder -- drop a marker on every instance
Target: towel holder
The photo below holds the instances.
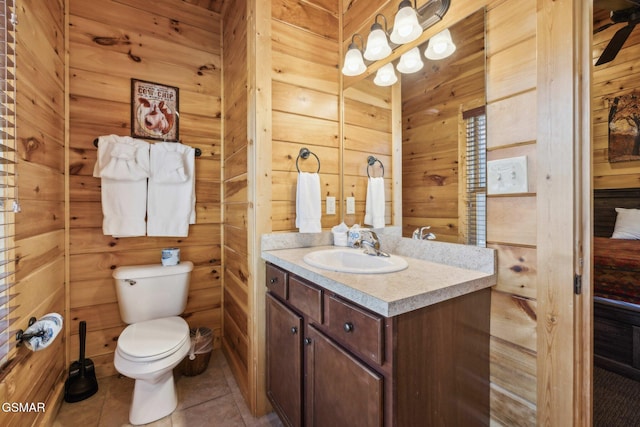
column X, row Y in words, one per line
column 21, row 336
column 372, row 161
column 304, row 153
column 198, row 151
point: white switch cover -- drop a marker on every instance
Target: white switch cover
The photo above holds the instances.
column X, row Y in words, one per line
column 507, row 176
column 351, row 205
column 331, row 205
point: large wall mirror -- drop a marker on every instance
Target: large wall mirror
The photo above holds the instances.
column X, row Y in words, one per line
column 426, row 114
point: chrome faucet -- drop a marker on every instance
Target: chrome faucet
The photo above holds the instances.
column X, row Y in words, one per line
column 419, row 233
column 370, row 243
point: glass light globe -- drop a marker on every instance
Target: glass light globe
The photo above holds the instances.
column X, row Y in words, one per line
column 410, row 61
column 377, row 44
column 406, row 27
column 385, row 76
column 440, row 46
column 353, row 62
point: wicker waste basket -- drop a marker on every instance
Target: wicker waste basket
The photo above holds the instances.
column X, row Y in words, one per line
column 199, row 354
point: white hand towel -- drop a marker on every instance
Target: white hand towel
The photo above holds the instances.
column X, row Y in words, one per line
column 171, row 196
column 308, row 205
column 375, row 204
column 123, row 166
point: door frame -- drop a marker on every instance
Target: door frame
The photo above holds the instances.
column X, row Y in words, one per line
column 564, row 327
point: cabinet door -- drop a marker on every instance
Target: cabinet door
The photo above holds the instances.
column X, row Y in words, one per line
column 284, row 361
column 341, row 390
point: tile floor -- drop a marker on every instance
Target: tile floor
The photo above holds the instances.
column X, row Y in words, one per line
column 209, row 399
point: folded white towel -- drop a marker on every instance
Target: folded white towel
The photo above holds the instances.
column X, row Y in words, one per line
column 308, row 204
column 375, row 204
column 171, row 196
column 123, row 165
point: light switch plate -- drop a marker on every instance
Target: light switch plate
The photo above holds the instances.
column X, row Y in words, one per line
column 351, row 205
column 331, row 205
column 507, row 176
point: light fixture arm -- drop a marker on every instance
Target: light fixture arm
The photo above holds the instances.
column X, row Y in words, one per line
column 437, row 15
column 353, row 44
column 377, row 26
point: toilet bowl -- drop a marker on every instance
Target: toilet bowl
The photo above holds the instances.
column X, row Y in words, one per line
column 147, row 352
column 150, row 298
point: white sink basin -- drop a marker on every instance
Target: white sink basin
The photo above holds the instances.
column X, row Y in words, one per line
column 348, row 260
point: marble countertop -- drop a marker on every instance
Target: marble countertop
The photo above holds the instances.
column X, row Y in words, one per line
column 436, row 271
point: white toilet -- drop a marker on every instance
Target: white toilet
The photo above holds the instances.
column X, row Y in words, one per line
column 150, row 298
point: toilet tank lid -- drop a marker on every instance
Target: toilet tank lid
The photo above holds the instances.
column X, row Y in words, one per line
column 151, row 270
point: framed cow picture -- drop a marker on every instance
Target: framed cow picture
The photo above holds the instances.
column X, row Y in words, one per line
column 154, row 111
column 624, row 128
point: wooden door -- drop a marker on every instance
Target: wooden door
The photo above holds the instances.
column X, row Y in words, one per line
column 341, row 390
column 284, row 361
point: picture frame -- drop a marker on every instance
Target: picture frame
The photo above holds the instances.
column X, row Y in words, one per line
column 154, row 111
column 624, row 128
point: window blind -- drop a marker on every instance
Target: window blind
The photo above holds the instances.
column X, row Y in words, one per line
column 9, row 205
column 476, row 176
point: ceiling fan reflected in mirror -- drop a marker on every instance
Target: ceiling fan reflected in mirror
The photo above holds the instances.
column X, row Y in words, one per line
column 621, row 12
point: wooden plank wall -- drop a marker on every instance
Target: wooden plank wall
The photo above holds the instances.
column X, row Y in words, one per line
column 511, row 119
column 39, row 228
column 431, row 103
column 612, row 79
column 511, row 219
column 235, row 197
column 305, row 99
column 173, row 43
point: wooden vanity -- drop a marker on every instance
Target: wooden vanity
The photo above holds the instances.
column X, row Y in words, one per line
column 333, row 363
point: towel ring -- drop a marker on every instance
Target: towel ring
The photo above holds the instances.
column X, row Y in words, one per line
column 198, row 151
column 304, row 153
column 372, row 161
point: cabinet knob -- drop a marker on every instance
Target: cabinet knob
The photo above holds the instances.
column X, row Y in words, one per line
column 307, row 341
column 273, row 280
column 348, row 327
column 294, row 330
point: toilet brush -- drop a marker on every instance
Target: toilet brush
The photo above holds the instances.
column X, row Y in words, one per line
column 82, row 382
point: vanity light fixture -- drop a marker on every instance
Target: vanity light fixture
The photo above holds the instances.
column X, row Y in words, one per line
column 440, row 46
column 386, row 75
column 353, row 62
column 410, row 61
column 409, row 23
column 406, row 27
column 377, row 43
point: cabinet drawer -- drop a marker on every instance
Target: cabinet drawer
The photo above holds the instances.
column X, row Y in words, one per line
column 358, row 330
column 306, row 298
column 277, row 281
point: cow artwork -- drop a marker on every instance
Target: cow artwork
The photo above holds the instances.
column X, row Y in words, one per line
column 624, row 128
column 154, row 111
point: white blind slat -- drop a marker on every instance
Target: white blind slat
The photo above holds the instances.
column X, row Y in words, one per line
column 8, row 179
column 476, row 174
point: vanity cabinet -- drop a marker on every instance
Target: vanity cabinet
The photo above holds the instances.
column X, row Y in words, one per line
column 333, row 363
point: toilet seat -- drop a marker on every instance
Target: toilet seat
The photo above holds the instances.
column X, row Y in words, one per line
column 153, row 339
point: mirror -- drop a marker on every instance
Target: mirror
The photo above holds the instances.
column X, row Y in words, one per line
column 417, row 125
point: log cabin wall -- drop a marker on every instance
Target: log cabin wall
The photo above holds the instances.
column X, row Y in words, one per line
column 173, row 43
column 236, row 336
column 512, row 219
column 618, row 77
column 40, row 226
column 511, row 121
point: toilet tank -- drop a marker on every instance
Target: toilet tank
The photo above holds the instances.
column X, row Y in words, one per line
column 153, row 291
